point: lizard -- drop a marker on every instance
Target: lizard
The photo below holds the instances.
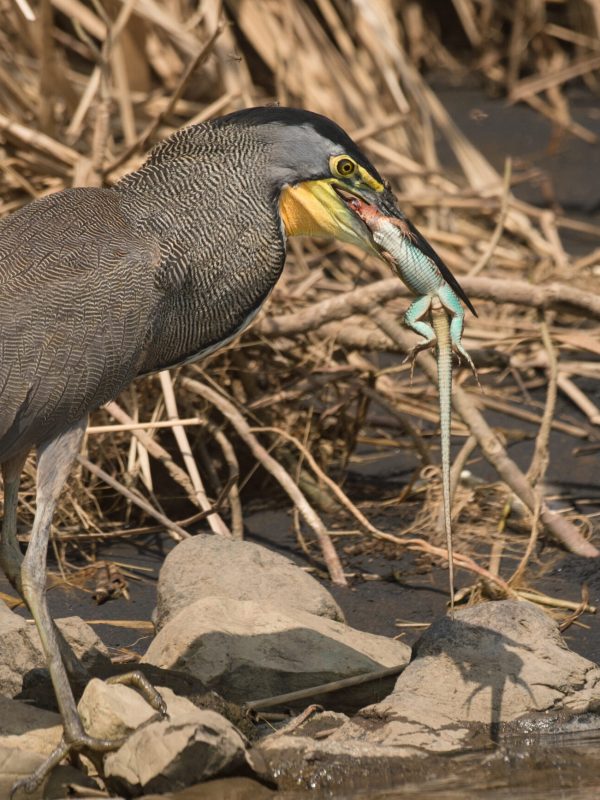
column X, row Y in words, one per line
column 437, row 314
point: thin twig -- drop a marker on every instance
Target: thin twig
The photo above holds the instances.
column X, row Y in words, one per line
column 541, row 455
column 555, row 296
column 157, row 451
column 175, row 531
column 323, row 688
column 233, row 492
column 268, row 462
column 493, row 243
column 339, row 494
column 492, row 448
column 145, row 426
column 214, row 520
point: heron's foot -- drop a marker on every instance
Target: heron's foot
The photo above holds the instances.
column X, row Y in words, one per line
column 414, row 352
column 80, row 744
column 139, row 681
column 89, row 745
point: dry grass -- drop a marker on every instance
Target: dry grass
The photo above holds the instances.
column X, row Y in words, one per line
column 86, row 88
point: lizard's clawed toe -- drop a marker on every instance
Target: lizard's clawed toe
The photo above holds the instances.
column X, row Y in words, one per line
column 414, row 352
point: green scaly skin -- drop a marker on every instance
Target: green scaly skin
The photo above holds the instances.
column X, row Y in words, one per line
column 437, row 315
column 443, row 351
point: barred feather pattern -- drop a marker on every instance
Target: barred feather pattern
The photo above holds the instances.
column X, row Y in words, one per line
column 206, row 196
column 98, row 286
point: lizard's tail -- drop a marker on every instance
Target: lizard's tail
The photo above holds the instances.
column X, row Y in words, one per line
column 441, row 325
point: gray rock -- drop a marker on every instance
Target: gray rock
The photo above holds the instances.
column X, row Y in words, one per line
column 188, row 746
column 86, row 644
column 193, row 745
column 112, row 711
column 496, row 668
column 206, row 566
column 16, row 764
column 246, row 650
column 493, row 664
column 27, row 736
column 25, row 727
column 21, row 649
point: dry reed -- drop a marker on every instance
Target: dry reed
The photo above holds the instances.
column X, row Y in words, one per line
column 86, row 88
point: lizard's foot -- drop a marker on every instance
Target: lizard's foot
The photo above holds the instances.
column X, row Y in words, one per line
column 82, row 743
column 414, row 352
column 462, row 355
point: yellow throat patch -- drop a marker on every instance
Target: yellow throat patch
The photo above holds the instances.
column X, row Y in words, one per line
column 309, row 209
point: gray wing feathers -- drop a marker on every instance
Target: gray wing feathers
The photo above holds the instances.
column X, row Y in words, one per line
column 75, row 293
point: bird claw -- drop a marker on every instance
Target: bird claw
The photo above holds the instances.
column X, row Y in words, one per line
column 64, row 748
column 90, row 744
column 139, row 681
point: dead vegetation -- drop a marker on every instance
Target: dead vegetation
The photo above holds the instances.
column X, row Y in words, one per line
column 317, row 382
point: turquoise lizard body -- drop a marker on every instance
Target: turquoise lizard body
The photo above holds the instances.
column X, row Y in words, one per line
column 437, row 314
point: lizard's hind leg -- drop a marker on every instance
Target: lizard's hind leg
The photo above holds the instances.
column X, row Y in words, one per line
column 459, row 349
column 457, row 321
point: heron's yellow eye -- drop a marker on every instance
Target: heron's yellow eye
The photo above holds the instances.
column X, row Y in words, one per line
column 345, row 167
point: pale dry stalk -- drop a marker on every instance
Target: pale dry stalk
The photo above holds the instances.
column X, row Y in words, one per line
column 243, row 430
column 214, row 520
column 561, row 529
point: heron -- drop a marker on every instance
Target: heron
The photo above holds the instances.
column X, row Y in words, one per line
column 102, row 285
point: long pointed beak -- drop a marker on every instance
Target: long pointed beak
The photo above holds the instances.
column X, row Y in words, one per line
column 325, row 208
column 384, row 202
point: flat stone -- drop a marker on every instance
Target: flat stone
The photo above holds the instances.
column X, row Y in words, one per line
column 85, row 642
column 495, row 668
column 207, row 565
column 247, row 651
column 112, row 711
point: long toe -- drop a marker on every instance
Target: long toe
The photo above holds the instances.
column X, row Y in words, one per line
column 81, row 744
column 140, row 682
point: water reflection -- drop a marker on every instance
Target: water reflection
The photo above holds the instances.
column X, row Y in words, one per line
column 557, row 766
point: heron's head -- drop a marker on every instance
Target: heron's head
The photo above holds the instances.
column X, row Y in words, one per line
column 315, row 169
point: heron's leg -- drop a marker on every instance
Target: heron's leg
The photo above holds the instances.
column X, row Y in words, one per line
column 55, row 459
column 11, row 557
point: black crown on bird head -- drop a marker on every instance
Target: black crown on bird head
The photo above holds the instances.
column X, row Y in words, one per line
column 295, row 117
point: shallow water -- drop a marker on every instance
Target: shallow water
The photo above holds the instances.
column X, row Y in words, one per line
column 562, row 766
